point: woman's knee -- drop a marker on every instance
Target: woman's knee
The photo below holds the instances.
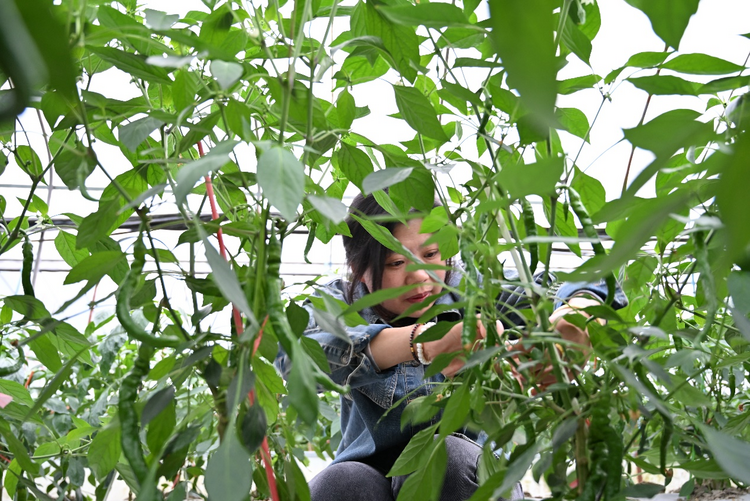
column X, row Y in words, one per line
column 350, row 481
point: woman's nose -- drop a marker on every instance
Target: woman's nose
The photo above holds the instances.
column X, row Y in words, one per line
column 417, row 276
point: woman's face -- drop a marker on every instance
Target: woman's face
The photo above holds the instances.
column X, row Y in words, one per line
column 396, row 275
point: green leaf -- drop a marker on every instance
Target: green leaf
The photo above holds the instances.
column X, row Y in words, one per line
column 225, row 279
column 418, row 112
column 105, row 450
column 735, row 205
column 666, row 85
column 135, row 132
column 74, row 165
column 432, row 15
column 418, row 191
column 401, row 42
column 94, row 267
column 518, row 467
column 668, row 19
column 383, row 178
column 302, row 389
column 732, row 454
column 183, row 90
column 46, row 352
column 539, row 178
column 701, row 64
column 574, row 121
column 578, row 43
column 226, row 73
column 346, row 109
column 591, row 190
column 414, row 454
column 253, row 429
column 229, row 472
column 666, row 133
column 572, row 85
column 29, row 161
column 18, row 449
column 459, row 405
column 739, row 288
column 383, row 236
column 427, row 482
column 54, row 384
column 11, row 478
column 160, row 21
column 282, row 178
column 133, row 64
column 27, row 306
column 330, row 208
column 353, row 163
column 525, row 43
column 191, row 172
column 157, row 403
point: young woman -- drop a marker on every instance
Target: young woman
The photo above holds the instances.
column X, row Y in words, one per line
column 382, row 365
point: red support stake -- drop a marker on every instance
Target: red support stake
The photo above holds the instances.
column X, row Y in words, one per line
column 237, row 317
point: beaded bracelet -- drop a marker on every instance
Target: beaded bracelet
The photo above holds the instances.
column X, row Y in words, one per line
column 420, row 346
column 411, row 343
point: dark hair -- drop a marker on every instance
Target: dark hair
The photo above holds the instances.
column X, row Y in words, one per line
column 363, row 252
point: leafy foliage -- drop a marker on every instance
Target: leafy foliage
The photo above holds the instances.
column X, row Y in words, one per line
column 668, row 387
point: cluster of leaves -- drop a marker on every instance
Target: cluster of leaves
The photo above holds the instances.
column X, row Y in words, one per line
column 668, row 387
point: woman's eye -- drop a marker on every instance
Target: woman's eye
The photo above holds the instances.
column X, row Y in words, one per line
column 395, row 264
column 432, row 254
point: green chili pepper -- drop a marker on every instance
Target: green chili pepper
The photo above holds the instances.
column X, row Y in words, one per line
column 274, row 306
column 666, row 437
column 590, row 231
column 732, row 383
column 28, row 261
column 530, row 224
column 123, row 294
column 130, row 435
column 7, row 371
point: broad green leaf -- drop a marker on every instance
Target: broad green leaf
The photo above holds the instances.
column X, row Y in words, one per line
column 94, row 267
column 54, row 384
column 302, row 388
column 190, row 173
column 353, row 163
column 12, row 475
column 525, row 44
column 51, row 37
column 666, row 85
column 381, row 179
column 701, row 64
column 65, row 243
column 427, row 483
column 539, row 178
column 330, row 208
column 401, row 42
column 739, row 287
column 346, row 109
column 666, row 133
column 417, row 192
column 29, row 161
column 135, row 132
column 517, row 468
column 183, row 90
column 727, row 83
column 591, row 190
column 253, row 428
column 226, row 280
column 668, row 19
column 574, row 121
column 229, row 472
column 418, row 112
column 46, row 352
column 74, row 165
column 735, row 205
column 16, row 390
column 639, row 60
column 432, row 15
column 157, row 403
column 28, row 306
column 226, row 73
column 572, row 85
column 105, row 450
column 18, row 449
column 732, row 454
column 282, row 178
column 133, row 64
column 160, row 21
column 383, row 236
column 578, row 43
column 456, row 411
column 377, row 297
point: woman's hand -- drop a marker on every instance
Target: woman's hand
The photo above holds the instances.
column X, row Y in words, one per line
column 542, row 372
column 452, row 342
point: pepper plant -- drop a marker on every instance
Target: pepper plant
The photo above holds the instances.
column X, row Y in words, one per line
column 245, row 126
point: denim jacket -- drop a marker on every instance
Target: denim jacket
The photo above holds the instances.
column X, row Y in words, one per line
column 366, row 432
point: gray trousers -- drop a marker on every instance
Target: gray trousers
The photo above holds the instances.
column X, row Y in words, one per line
column 353, row 481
